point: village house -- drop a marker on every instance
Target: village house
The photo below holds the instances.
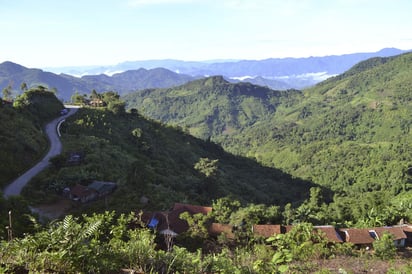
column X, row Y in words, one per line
column 93, row 191
column 330, row 233
column 80, row 193
column 399, row 237
column 407, row 229
column 97, row 103
column 75, row 158
column 267, row 231
column 360, row 237
column 216, row 229
column 364, row 237
column 102, row 188
column 170, row 220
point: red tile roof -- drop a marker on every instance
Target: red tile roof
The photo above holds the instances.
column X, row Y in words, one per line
column 330, row 233
column 267, row 230
column 192, row 209
column 357, row 235
column 81, row 191
column 406, row 228
column 216, row 229
column 288, row 228
column 171, row 219
column 397, row 232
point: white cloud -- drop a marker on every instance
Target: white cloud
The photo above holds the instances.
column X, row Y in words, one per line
column 242, row 78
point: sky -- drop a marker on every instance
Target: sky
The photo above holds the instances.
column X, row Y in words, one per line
column 58, row 33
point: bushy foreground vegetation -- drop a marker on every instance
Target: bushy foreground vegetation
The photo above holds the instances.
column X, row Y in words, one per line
column 103, row 243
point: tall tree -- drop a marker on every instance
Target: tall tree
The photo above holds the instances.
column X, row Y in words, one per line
column 77, row 98
column 207, row 167
column 23, row 86
column 7, row 92
column 94, row 95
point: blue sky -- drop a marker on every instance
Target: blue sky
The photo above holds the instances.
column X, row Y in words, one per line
column 48, row 33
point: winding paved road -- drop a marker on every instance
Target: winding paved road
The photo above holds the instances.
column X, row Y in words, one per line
column 52, row 130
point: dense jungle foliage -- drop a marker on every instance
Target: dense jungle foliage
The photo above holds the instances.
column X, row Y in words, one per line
column 350, row 134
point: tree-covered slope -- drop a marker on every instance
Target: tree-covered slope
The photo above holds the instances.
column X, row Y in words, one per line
column 355, row 126
column 22, row 141
column 209, row 107
column 350, row 133
column 162, row 163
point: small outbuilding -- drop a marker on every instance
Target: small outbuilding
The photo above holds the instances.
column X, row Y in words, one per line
column 93, row 191
column 102, row 188
column 81, row 193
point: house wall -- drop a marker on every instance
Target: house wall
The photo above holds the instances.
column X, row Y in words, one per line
column 400, row 243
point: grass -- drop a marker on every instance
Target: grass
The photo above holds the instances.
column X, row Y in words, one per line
column 363, row 263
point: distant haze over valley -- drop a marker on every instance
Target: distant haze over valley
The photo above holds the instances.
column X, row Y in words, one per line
column 275, row 73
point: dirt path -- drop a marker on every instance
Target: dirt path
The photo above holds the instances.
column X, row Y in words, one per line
column 52, row 211
column 17, row 185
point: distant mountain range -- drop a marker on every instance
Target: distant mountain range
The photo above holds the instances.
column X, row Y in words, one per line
column 276, row 73
column 14, row 75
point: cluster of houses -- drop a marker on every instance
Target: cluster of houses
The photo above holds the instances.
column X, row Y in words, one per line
column 86, row 193
column 96, row 102
column 171, row 223
column 6, row 102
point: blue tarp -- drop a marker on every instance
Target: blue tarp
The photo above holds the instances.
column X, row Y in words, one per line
column 153, row 223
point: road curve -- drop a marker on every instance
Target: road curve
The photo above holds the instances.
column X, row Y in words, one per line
column 51, row 129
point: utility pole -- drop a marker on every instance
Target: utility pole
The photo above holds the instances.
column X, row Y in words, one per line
column 10, row 228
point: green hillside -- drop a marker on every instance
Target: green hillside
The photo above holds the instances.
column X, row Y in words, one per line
column 22, row 141
column 350, row 134
column 209, row 107
column 356, row 127
column 159, row 162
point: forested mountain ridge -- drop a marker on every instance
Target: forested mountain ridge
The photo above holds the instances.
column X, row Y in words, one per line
column 136, row 79
column 12, row 76
column 350, row 133
column 210, row 106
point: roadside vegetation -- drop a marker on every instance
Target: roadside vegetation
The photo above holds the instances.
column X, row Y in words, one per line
column 22, row 119
column 22, row 144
